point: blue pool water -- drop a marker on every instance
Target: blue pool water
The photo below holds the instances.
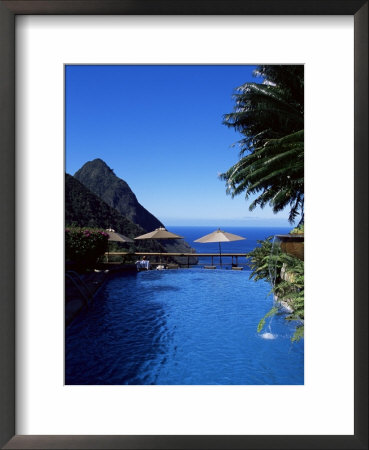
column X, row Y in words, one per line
column 182, row 327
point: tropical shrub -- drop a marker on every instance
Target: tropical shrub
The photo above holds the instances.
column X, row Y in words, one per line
column 85, row 245
column 286, row 276
column 298, row 230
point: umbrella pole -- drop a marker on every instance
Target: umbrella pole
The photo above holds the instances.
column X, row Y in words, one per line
column 220, row 254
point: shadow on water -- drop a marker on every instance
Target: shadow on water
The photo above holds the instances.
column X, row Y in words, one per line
column 102, row 345
column 181, row 327
column 157, row 289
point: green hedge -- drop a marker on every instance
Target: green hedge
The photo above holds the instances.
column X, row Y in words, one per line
column 85, row 245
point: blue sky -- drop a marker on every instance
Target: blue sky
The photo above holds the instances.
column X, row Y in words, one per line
column 160, row 129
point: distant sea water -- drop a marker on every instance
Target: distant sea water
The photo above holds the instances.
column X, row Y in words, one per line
column 252, row 235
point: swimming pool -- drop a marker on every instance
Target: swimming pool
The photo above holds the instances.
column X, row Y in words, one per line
column 182, row 327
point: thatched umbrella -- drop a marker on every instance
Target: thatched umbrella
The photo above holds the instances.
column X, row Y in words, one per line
column 159, row 233
column 117, row 237
column 219, row 236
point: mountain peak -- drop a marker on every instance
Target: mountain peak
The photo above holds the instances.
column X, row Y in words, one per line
column 99, row 178
column 98, row 162
column 96, row 166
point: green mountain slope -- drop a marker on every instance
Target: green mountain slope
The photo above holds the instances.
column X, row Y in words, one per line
column 85, row 209
column 100, row 179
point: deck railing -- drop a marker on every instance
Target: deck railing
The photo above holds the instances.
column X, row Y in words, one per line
column 137, row 255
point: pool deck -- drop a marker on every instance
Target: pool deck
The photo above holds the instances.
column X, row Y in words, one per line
column 176, row 254
column 183, row 255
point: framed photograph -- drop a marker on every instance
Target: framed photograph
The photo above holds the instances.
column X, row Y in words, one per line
column 75, row 78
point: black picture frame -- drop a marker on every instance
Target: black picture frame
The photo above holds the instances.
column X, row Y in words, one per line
column 8, row 12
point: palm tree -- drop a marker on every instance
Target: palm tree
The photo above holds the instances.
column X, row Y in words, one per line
column 270, row 116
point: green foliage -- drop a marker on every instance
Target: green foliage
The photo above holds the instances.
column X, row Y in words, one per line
column 85, row 209
column 298, row 230
column 85, row 245
column 262, row 259
column 271, row 313
column 270, row 116
column 293, row 293
column 286, row 275
column 101, row 180
column 299, row 333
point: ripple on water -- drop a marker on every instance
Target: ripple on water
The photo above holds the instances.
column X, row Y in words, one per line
column 182, row 327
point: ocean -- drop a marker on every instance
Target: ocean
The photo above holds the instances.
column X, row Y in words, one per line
column 252, row 235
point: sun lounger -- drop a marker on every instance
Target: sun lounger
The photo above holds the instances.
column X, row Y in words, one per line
column 142, row 265
column 210, row 267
